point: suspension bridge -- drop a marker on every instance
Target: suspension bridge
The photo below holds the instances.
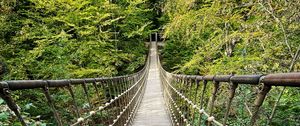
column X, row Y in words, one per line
column 151, row 97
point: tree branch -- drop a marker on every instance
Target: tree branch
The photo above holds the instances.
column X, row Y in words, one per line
column 281, row 27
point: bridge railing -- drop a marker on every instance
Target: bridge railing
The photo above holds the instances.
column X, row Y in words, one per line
column 208, row 100
column 89, row 101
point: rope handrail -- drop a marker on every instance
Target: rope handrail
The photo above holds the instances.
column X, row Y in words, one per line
column 184, row 96
column 280, row 79
column 121, row 94
column 31, row 84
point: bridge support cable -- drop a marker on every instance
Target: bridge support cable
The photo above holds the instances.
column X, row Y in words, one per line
column 208, row 100
column 107, row 100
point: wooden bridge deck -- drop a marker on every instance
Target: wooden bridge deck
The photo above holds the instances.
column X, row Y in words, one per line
column 152, row 111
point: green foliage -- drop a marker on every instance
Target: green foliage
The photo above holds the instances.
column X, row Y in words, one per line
column 61, row 39
column 230, row 37
column 206, row 37
column 43, row 39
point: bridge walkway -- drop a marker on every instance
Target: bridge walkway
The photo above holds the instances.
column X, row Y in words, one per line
column 152, row 111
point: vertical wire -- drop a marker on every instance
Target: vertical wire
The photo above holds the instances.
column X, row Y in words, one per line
column 5, row 95
column 258, row 102
column 50, row 103
column 109, row 90
column 213, row 98
column 190, row 92
column 119, row 88
column 87, row 95
column 195, row 100
column 75, row 106
column 233, row 87
column 201, row 100
column 97, row 90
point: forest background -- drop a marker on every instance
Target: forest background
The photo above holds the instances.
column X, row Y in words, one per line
column 59, row 39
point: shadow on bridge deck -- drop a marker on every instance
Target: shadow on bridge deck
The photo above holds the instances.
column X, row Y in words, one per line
column 152, row 111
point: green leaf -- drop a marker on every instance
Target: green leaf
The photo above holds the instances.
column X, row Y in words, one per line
column 1, row 101
column 4, row 116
